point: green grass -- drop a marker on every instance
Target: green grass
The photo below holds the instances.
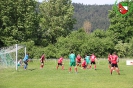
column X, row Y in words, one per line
column 49, row 77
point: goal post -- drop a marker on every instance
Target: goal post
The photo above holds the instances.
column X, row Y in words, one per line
column 11, row 54
column 17, row 55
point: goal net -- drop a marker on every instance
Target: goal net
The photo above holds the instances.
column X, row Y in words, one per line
column 9, row 56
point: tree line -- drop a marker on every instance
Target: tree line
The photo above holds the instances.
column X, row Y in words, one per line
column 55, row 27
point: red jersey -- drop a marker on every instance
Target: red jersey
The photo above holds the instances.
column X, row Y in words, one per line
column 42, row 58
column 78, row 58
column 92, row 58
column 109, row 57
column 84, row 63
column 114, row 59
column 60, row 60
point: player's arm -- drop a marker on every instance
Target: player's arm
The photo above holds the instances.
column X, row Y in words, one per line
column 41, row 59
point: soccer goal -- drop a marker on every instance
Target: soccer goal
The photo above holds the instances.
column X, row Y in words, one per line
column 9, row 56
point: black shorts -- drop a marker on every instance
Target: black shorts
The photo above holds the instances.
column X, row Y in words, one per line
column 60, row 64
column 109, row 62
column 26, row 62
column 114, row 65
column 93, row 62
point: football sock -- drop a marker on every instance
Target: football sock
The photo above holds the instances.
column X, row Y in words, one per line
column 62, row 67
column 57, row 67
column 95, row 66
column 76, row 69
column 70, row 69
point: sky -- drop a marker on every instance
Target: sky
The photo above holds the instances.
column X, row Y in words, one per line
column 91, row 2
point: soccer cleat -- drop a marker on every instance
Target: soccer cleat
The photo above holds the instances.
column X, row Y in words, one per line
column 118, row 73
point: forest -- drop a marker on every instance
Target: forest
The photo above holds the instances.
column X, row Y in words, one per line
column 97, row 15
column 56, row 27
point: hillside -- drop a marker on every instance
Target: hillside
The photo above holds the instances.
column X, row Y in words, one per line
column 97, row 15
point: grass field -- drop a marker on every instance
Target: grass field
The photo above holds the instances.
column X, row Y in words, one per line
column 49, row 77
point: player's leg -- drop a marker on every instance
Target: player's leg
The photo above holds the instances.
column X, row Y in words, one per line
column 57, row 66
column 42, row 64
column 117, row 69
column 70, row 68
column 95, row 65
column 25, row 65
column 112, row 68
column 62, row 66
column 80, row 64
column 90, row 65
column 75, row 67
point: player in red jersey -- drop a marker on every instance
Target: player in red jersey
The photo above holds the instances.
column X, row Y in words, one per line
column 78, row 60
column 114, row 65
column 60, row 63
column 42, row 60
column 109, row 60
column 84, row 64
column 93, row 61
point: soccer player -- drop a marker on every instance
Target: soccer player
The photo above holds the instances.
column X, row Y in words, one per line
column 78, row 60
column 114, row 63
column 84, row 64
column 72, row 58
column 60, row 63
column 25, row 60
column 19, row 62
column 42, row 59
column 87, row 58
column 109, row 60
column 93, row 61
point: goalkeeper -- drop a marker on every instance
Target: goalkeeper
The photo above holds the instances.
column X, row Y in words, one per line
column 25, row 60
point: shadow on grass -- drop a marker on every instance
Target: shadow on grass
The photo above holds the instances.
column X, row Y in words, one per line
column 31, row 69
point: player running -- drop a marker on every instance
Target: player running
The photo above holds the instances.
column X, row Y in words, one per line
column 42, row 61
column 72, row 58
column 60, row 63
column 114, row 63
column 87, row 58
column 93, row 61
column 78, row 60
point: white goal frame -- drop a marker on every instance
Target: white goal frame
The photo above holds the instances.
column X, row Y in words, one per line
column 17, row 55
column 15, row 49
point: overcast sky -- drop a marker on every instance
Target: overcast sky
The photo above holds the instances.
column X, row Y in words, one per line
column 99, row 2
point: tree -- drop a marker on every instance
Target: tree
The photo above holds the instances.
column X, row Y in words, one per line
column 19, row 21
column 122, row 26
column 56, row 19
column 96, row 14
column 87, row 26
column 122, row 49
